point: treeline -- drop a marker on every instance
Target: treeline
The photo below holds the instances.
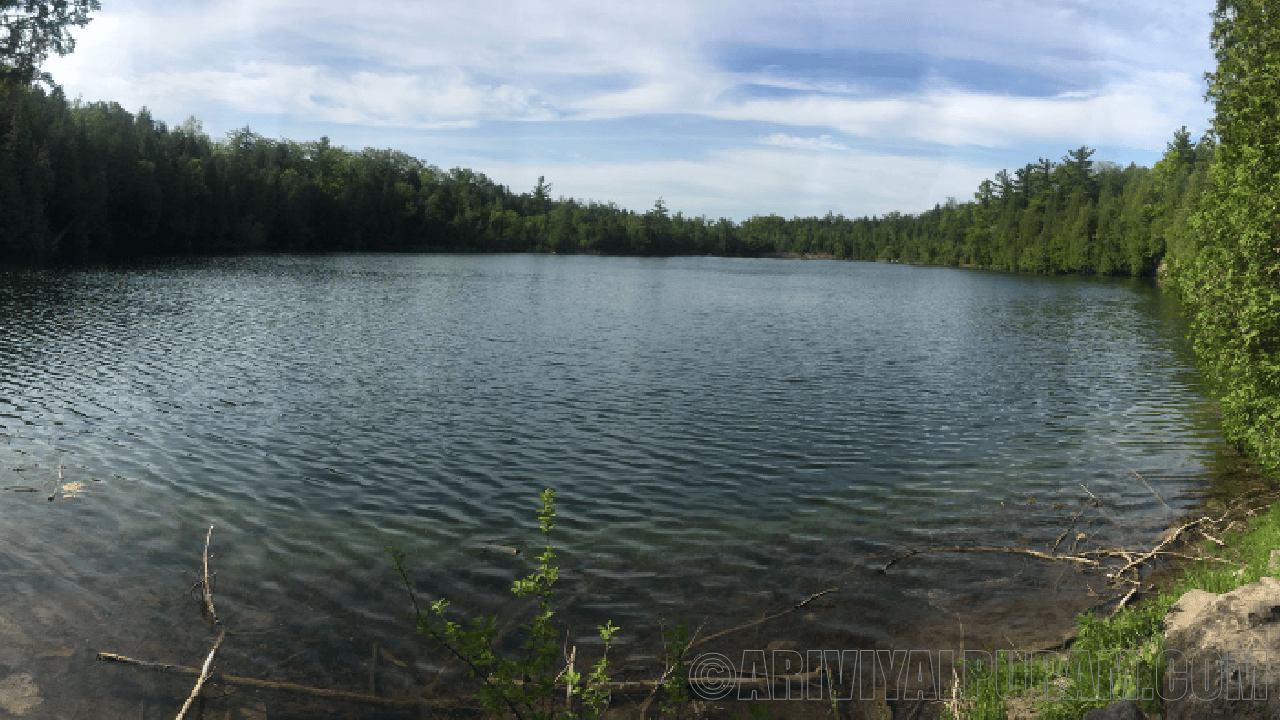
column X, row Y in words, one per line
column 1225, row 262
column 91, row 182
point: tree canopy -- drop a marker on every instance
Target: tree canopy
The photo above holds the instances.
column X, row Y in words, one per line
column 1227, row 266
column 32, row 30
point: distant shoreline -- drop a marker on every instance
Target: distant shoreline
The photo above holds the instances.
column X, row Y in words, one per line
column 797, row 256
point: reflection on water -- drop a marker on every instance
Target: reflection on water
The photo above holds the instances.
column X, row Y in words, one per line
column 726, row 437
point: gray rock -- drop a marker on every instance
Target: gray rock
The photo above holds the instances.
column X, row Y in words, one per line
column 1123, row 710
column 1223, row 653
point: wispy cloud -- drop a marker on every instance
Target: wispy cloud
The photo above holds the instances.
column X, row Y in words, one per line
column 823, row 142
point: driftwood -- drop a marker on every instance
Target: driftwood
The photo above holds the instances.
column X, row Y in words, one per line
column 210, row 614
column 1128, row 569
column 204, row 675
column 212, row 617
column 1153, row 490
column 1073, row 558
column 762, row 620
column 284, row 686
column 1074, row 518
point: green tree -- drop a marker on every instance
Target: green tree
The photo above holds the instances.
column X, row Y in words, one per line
column 1231, row 276
column 32, row 30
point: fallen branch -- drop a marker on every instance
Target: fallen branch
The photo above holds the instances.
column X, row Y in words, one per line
column 56, row 485
column 210, row 615
column 1153, row 490
column 1130, row 559
column 762, row 620
column 1074, row 517
column 1096, row 501
column 204, row 675
column 285, row 686
column 1124, row 600
column 1078, row 559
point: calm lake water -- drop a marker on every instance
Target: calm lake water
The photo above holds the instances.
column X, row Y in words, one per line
column 726, row 436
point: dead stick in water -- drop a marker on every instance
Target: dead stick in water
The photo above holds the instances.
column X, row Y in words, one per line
column 1153, row 490
column 762, row 620
column 1074, row 517
column 204, row 675
column 212, row 615
column 54, row 494
column 283, row 686
column 1078, row 559
column 1096, row 501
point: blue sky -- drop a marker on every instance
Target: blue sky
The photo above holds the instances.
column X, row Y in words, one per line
column 724, row 108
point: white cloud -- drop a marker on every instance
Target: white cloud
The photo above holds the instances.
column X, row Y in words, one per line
column 421, row 65
column 756, row 181
column 822, row 142
column 1130, row 115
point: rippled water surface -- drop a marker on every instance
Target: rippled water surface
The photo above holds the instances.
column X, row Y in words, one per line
column 726, row 436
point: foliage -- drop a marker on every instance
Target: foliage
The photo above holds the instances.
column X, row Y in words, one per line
column 524, row 684
column 31, row 30
column 1227, row 268
column 676, row 686
column 594, row 694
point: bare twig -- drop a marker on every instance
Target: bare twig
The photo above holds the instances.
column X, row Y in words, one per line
column 1096, row 501
column 762, row 620
column 204, row 675
column 56, row 485
column 1153, row 490
column 1124, row 600
column 212, row 616
column 896, row 558
column 209, row 613
column 1078, row 559
column 1074, row 517
column 568, row 686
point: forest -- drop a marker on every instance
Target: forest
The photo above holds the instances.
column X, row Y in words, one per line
column 93, row 182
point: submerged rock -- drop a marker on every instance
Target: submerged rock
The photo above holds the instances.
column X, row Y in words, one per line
column 18, row 694
column 1223, row 654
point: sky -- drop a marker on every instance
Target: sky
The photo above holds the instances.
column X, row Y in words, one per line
column 722, row 108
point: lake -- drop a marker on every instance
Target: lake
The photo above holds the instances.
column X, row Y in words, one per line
column 726, row 438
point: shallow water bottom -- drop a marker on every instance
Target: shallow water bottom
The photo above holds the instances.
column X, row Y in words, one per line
column 349, row 628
